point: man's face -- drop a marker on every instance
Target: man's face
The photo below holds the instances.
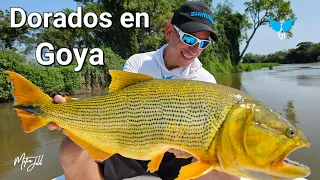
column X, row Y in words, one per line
column 180, row 54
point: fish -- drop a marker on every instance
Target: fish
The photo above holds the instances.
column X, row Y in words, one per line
column 142, row 117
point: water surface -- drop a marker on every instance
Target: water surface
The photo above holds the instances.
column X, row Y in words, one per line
column 292, row 90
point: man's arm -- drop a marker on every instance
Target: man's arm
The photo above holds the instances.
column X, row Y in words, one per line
column 131, row 65
column 207, row 77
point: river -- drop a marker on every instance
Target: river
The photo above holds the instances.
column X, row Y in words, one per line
column 292, row 90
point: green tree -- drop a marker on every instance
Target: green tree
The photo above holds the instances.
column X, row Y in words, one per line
column 311, row 54
column 260, row 10
column 59, row 38
column 249, row 58
column 305, row 52
column 10, row 38
column 128, row 41
column 279, row 56
column 233, row 23
column 304, row 45
column 229, row 26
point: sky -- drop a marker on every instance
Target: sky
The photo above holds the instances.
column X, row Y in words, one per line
column 265, row 41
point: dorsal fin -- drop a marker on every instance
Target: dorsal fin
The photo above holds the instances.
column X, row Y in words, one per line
column 123, row 79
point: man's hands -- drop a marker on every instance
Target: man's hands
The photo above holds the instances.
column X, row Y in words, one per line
column 57, row 99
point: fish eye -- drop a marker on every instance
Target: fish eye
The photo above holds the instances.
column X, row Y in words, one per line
column 291, row 133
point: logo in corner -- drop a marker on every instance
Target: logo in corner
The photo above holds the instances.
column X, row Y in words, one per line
column 283, row 28
column 28, row 161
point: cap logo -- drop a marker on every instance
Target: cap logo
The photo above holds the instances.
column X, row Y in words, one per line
column 202, row 14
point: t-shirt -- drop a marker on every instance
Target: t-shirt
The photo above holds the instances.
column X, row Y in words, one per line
column 152, row 64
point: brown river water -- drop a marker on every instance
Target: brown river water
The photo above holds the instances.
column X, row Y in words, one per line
column 292, row 90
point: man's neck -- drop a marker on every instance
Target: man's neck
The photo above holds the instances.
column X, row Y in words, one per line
column 166, row 58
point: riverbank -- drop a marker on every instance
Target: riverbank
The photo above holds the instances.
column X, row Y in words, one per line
column 56, row 79
column 257, row 66
column 65, row 82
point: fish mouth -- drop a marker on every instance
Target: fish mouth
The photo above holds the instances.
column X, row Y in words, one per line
column 288, row 168
column 290, row 162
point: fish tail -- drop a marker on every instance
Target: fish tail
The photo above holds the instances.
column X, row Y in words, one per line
column 28, row 101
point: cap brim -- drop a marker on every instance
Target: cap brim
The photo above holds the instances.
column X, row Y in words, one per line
column 192, row 27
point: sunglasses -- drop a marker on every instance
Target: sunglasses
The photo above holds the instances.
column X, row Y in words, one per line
column 190, row 40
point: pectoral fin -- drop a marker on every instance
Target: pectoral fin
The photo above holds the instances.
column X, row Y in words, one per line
column 155, row 162
column 182, row 157
column 194, row 170
column 69, row 98
column 95, row 153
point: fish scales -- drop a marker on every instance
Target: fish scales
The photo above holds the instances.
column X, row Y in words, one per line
column 142, row 118
column 150, row 115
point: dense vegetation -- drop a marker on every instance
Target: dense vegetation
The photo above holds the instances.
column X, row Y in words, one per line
column 54, row 80
column 18, row 44
column 305, row 52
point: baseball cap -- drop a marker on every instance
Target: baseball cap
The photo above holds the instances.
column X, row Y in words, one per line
column 194, row 16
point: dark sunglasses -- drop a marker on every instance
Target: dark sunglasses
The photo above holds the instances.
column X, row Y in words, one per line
column 190, row 40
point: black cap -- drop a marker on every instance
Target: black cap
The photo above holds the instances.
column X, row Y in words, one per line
column 194, row 16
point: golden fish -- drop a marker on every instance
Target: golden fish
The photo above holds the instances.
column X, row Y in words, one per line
column 142, row 117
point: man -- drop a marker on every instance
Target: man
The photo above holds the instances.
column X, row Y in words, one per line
column 188, row 35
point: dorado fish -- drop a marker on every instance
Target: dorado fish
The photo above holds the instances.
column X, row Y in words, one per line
column 142, row 118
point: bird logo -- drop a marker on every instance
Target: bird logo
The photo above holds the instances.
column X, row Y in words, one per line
column 277, row 26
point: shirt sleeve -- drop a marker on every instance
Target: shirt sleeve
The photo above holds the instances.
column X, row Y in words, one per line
column 211, row 80
column 131, row 65
column 207, row 77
